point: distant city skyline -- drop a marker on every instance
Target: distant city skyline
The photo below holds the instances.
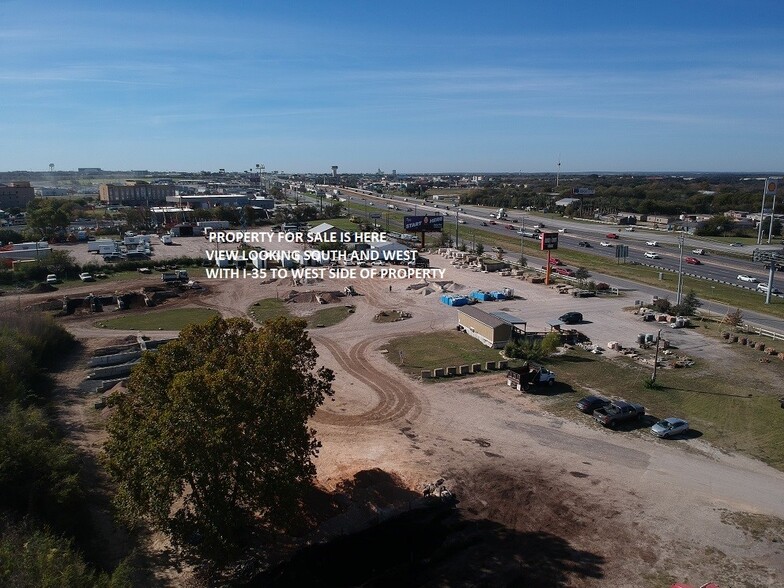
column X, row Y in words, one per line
column 435, row 87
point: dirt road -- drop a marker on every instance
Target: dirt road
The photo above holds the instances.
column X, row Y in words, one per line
column 650, row 511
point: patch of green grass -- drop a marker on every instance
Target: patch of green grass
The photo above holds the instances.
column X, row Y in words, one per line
column 343, row 224
column 268, row 308
column 731, row 409
column 165, row 320
column 438, row 350
column 326, row 317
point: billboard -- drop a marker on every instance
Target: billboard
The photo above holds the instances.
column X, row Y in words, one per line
column 423, row 224
column 548, row 241
column 583, row 191
column 771, row 185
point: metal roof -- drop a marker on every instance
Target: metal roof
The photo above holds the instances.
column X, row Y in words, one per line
column 508, row 318
column 483, row 317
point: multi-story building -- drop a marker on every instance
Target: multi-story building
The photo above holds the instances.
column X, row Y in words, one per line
column 15, row 195
column 135, row 193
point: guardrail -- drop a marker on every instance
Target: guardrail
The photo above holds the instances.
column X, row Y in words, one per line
column 707, row 279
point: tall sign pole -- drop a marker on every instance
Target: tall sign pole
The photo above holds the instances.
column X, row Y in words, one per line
column 771, row 185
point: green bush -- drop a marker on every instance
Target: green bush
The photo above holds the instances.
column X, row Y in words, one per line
column 31, row 558
column 38, row 473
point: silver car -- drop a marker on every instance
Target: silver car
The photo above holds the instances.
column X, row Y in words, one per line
column 670, row 427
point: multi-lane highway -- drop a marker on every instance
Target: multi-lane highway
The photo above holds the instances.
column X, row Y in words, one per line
column 721, row 262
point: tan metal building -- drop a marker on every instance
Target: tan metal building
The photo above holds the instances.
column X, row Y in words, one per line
column 489, row 329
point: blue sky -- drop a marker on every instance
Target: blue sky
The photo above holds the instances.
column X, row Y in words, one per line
column 428, row 86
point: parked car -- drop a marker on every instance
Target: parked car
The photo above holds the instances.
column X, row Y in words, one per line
column 591, row 403
column 612, row 235
column 670, row 427
column 746, row 278
column 584, row 244
column 571, row 318
column 651, row 255
column 764, row 289
column 86, row 277
column 692, row 260
column 618, row 412
column 606, row 244
column 652, row 243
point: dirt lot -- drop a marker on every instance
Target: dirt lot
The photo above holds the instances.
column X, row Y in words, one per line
column 626, row 511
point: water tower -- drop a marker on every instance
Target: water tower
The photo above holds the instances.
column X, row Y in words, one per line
column 334, row 171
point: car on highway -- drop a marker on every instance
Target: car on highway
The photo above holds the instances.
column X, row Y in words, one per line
column 692, row 260
column 698, row 251
column 612, row 235
column 556, row 261
column 571, row 318
column 670, row 427
column 652, row 243
column 591, row 403
column 462, row 222
column 736, row 244
column 606, row 244
column 564, row 271
column 86, row 277
column 764, row 289
column 510, row 227
column 493, row 223
column 651, row 255
column 584, row 244
column 629, row 229
column 562, row 230
column 484, row 224
column 745, row 278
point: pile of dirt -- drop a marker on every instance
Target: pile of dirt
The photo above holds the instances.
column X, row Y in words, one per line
column 42, row 288
column 328, row 297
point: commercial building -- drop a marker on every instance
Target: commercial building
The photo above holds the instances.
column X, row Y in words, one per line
column 490, row 330
column 135, row 193
column 210, row 200
column 16, row 195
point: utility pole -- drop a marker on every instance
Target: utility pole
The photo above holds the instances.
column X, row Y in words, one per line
column 656, row 357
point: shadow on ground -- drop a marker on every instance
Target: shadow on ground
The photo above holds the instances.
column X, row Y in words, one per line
column 437, row 546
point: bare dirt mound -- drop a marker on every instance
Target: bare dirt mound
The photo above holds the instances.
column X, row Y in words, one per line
column 328, row 297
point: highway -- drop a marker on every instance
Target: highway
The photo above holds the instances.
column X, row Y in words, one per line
column 722, row 262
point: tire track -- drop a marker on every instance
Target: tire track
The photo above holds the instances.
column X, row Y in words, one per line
column 395, row 399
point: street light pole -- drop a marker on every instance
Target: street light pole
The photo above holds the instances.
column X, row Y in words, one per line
column 680, row 269
column 457, row 224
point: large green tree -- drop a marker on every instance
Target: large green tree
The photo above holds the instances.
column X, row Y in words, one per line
column 212, row 437
column 49, row 215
